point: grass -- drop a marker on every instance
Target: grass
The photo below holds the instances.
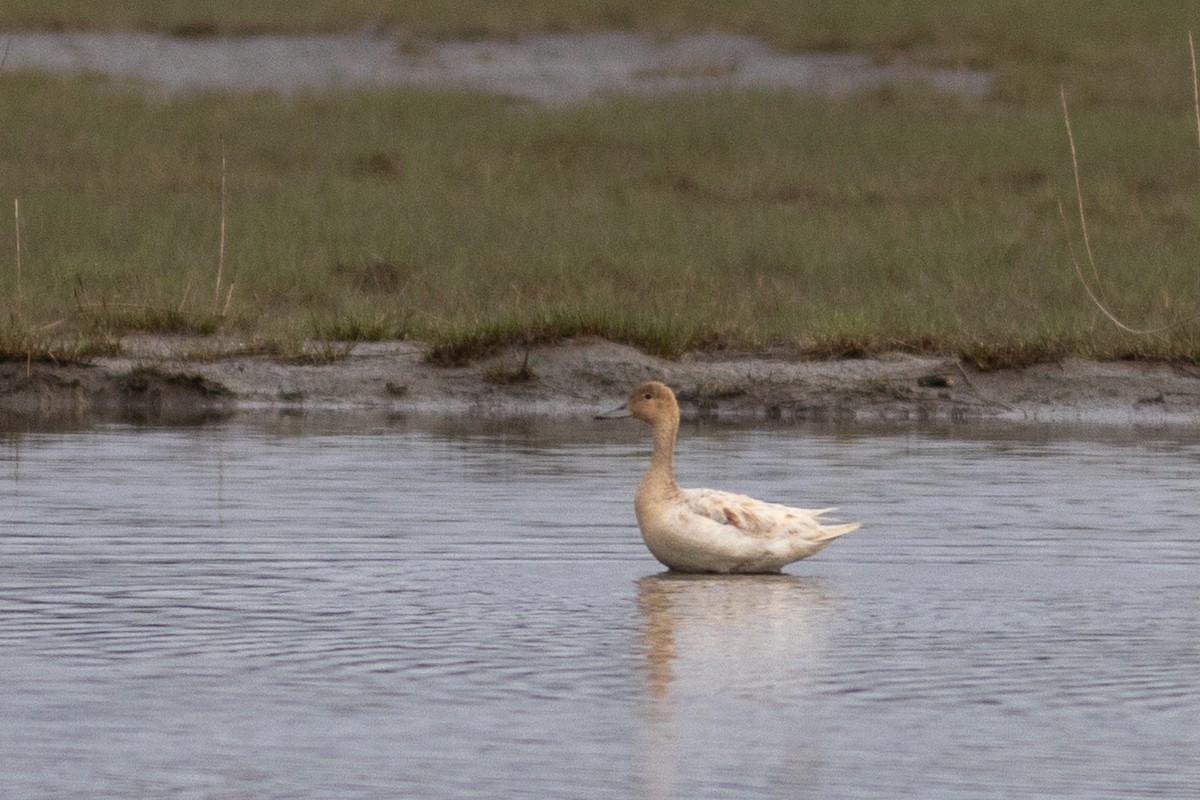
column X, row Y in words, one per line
column 22, row 342
column 828, row 227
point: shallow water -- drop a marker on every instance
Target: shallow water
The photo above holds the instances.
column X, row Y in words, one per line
column 289, row 607
column 548, row 69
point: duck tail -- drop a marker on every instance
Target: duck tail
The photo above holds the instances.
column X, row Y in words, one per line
column 830, row 532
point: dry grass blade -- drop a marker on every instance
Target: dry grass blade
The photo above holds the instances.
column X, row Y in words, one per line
column 17, row 225
column 221, row 247
column 1087, row 244
column 1195, row 85
column 1087, row 287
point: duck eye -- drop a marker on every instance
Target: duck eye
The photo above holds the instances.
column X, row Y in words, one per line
column 649, row 396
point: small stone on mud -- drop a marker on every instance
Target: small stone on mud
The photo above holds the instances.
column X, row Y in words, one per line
column 936, row 381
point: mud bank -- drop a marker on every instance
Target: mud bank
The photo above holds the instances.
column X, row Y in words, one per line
column 166, row 378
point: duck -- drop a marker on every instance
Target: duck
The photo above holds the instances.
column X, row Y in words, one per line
column 709, row 530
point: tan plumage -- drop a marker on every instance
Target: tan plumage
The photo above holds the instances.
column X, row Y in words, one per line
column 706, row 530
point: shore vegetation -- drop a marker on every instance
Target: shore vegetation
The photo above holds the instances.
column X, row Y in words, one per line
column 893, row 219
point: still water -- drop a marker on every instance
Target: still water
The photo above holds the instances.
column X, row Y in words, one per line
column 305, row 608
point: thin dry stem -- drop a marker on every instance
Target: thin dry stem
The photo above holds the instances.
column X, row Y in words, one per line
column 17, row 225
column 187, row 292
column 221, row 246
column 1087, row 288
column 106, row 304
column 1087, row 244
column 1195, row 85
column 49, row 326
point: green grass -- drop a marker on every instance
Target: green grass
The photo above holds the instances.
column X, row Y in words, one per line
column 889, row 220
column 20, row 341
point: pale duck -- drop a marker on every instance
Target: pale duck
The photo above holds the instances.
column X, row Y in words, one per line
column 706, row 530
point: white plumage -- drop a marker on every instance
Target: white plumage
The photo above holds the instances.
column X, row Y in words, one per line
column 707, row 530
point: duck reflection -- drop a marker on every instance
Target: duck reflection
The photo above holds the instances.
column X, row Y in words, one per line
column 731, row 665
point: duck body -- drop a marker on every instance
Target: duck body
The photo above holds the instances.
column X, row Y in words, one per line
column 707, row 530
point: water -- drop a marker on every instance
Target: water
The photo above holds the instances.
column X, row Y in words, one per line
column 297, row 608
column 547, row 69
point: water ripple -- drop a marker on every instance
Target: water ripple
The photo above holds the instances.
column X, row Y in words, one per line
column 232, row 611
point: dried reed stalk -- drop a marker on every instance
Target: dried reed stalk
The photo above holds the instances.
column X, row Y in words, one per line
column 1087, row 243
column 17, row 225
column 221, row 249
column 1083, row 227
column 1195, row 86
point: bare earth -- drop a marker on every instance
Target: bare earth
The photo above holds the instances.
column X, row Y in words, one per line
column 175, row 377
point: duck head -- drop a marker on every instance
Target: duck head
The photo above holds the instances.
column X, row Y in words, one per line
column 652, row 402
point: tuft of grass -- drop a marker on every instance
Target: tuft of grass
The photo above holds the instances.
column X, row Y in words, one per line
column 118, row 319
column 354, row 328
column 47, row 344
column 319, row 352
column 995, row 356
column 455, row 346
column 850, row 345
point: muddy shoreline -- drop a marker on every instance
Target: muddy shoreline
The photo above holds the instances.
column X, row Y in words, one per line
column 177, row 378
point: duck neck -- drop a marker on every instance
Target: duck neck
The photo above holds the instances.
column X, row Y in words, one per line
column 661, row 476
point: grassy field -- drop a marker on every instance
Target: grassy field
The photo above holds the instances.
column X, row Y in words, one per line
column 893, row 219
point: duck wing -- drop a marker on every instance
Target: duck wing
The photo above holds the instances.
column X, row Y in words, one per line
column 761, row 520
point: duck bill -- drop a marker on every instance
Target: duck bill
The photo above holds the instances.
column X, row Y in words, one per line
column 616, row 413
